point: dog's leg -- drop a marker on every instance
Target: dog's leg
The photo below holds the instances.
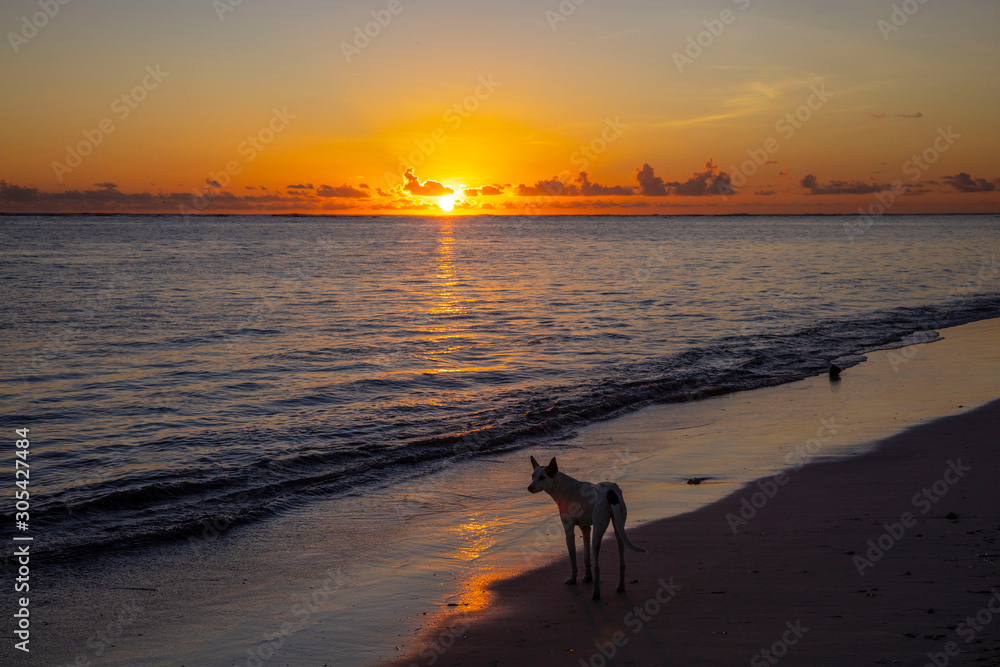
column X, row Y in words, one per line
column 571, row 546
column 602, row 517
column 587, row 573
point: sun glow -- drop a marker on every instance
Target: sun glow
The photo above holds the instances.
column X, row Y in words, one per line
column 446, row 203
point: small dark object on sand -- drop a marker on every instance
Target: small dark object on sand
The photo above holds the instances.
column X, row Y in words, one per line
column 952, row 516
column 834, row 372
column 697, row 480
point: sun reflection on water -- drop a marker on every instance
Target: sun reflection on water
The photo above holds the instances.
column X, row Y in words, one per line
column 448, row 299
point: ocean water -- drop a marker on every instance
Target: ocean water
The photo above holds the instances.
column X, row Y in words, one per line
column 175, row 374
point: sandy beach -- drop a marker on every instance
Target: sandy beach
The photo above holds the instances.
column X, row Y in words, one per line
column 889, row 557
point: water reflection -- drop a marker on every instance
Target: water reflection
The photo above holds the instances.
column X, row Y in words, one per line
column 448, row 299
column 450, row 334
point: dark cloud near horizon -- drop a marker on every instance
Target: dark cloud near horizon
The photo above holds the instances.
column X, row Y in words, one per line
column 595, row 189
column 552, row 188
column 345, row 191
column 107, row 199
column 650, row 185
column 710, row 181
column 425, row 189
column 964, row 182
column 15, row 193
column 301, row 186
column 484, row 191
column 580, row 187
column 811, row 183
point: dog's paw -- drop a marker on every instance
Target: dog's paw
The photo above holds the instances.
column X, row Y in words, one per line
column 621, row 589
column 571, row 580
column 588, row 577
column 596, row 595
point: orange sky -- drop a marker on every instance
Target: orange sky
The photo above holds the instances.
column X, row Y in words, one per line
column 524, row 107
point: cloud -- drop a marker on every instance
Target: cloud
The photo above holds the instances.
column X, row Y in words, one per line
column 74, row 199
column 963, row 182
column 784, row 172
column 811, row 183
column 107, row 185
column 910, row 115
column 877, row 115
column 404, row 204
column 710, row 181
column 485, row 191
column 765, row 193
column 425, row 189
column 580, row 187
column 16, row 193
column 103, row 198
column 594, row 189
column 301, row 186
column 343, row 191
column 649, row 184
column 552, row 188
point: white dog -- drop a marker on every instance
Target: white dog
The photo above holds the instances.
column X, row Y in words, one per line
column 586, row 505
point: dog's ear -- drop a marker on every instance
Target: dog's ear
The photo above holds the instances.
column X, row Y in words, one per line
column 534, row 463
column 552, row 468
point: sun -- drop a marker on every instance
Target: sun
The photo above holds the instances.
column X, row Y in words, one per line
column 446, row 203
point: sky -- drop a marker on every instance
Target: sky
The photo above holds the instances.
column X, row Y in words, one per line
column 521, row 107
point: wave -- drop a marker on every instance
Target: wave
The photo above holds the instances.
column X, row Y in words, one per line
column 179, row 504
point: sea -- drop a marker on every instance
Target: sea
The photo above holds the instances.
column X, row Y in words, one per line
column 179, row 372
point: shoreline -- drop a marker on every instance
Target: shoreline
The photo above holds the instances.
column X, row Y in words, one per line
column 747, row 575
column 359, row 578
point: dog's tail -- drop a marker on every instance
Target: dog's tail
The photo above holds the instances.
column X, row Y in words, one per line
column 616, row 515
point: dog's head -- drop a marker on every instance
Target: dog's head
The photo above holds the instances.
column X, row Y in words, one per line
column 542, row 476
